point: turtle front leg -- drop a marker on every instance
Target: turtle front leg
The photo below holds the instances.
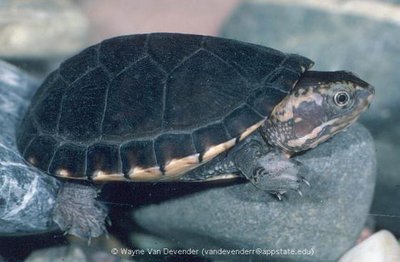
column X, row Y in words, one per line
column 270, row 171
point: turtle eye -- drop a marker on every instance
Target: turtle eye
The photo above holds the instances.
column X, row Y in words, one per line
column 341, row 98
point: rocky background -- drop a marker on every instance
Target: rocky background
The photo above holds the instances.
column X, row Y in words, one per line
column 360, row 36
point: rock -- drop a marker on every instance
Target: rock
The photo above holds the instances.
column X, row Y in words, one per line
column 385, row 207
column 317, row 34
column 26, row 195
column 380, row 247
column 149, row 241
column 73, row 253
column 352, row 36
column 41, row 28
column 325, row 222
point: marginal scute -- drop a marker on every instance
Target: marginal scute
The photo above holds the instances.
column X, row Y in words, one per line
column 65, row 173
column 250, row 130
column 40, row 151
column 209, row 136
column 177, row 167
column 32, row 160
column 104, row 157
column 173, row 146
column 70, row 159
column 99, row 176
column 145, row 174
column 218, row 149
column 137, row 154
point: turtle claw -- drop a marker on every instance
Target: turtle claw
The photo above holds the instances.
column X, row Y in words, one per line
column 299, row 192
column 279, row 196
column 305, row 181
column 108, row 221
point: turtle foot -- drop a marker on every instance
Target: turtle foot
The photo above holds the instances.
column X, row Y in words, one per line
column 276, row 174
column 78, row 213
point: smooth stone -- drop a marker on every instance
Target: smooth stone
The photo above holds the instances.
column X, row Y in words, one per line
column 326, row 221
column 385, row 207
column 364, row 43
column 41, row 29
column 27, row 196
column 73, row 253
column 380, row 247
column 333, row 41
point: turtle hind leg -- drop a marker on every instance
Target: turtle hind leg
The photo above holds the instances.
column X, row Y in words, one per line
column 77, row 211
column 269, row 171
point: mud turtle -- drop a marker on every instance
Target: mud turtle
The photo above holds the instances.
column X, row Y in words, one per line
column 159, row 107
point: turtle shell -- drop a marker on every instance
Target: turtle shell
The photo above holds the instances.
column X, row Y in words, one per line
column 151, row 107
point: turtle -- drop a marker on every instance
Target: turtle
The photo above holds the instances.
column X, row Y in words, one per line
column 163, row 107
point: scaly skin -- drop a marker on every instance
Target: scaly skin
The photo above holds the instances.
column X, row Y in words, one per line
column 77, row 212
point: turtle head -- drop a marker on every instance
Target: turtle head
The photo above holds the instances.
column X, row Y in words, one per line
column 320, row 105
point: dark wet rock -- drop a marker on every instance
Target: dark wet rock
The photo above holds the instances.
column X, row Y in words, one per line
column 73, row 253
column 368, row 46
column 26, row 195
column 327, row 219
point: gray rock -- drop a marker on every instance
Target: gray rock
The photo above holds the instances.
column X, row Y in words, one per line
column 326, row 221
column 26, row 195
column 385, row 207
column 368, row 46
column 365, row 46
